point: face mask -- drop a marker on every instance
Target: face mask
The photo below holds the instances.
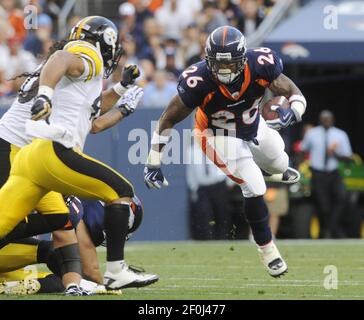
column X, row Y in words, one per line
column 226, row 76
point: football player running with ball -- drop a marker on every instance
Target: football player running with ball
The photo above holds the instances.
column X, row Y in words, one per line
column 226, row 89
column 65, row 96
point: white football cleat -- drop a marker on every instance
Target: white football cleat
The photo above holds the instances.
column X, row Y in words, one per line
column 272, row 260
column 290, row 176
column 20, row 288
column 128, row 277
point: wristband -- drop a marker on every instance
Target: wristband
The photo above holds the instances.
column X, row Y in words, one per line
column 298, row 105
column 154, row 159
column 46, row 91
column 159, row 139
column 119, row 89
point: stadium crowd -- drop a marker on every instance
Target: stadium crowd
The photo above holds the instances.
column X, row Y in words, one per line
column 162, row 36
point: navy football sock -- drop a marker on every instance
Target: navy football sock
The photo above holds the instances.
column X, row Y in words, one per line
column 256, row 213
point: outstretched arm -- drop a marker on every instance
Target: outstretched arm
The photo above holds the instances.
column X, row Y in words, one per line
column 127, row 106
column 111, row 96
column 174, row 113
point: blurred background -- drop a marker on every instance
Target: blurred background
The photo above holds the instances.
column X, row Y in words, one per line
column 322, row 46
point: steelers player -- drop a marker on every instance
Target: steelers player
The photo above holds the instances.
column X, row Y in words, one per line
column 68, row 99
column 87, row 217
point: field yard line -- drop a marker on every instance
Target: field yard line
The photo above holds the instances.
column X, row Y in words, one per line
column 265, row 281
column 313, row 242
column 252, row 284
column 248, row 285
column 214, row 266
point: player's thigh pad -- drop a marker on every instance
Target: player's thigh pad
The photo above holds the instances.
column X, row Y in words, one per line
column 269, row 154
column 67, row 171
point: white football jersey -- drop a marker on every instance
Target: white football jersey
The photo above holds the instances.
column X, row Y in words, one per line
column 75, row 101
column 12, row 124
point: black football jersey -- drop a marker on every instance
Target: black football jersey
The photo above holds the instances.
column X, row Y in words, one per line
column 234, row 107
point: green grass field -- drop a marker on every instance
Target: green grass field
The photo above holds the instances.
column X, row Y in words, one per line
column 232, row 270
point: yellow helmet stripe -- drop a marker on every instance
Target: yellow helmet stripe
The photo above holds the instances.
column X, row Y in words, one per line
column 80, row 25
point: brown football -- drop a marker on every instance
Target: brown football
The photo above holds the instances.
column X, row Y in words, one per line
column 269, row 114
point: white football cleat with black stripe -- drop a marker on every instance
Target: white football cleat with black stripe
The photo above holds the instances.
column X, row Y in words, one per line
column 128, row 277
column 290, row 176
column 272, row 260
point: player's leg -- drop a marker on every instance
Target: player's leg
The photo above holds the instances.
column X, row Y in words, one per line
column 66, row 250
column 268, row 153
column 18, row 255
column 34, row 224
column 75, row 173
column 18, row 197
column 14, row 278
column 236, row 160
column 26, row 194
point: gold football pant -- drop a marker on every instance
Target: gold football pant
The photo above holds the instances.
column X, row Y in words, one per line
column 14, row 257
column 45, row 165
column 51, row 203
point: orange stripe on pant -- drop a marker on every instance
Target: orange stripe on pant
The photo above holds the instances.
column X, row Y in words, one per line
column 201, row 133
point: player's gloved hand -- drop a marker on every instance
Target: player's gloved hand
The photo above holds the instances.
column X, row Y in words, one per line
column 129, row 74
column 130, row 100
column 41, row 108
column 154, row 178
column 286, row 118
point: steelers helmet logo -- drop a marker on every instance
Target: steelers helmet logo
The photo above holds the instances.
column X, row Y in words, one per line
column 110, row 36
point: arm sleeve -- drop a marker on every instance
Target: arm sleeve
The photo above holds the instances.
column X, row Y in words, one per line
column 191, row 90
column 269, row 65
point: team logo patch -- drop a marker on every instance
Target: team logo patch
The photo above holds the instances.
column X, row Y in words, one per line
column 110, row 36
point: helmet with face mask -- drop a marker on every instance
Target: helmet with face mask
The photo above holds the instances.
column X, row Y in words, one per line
column 225, row 54
column 102, row 33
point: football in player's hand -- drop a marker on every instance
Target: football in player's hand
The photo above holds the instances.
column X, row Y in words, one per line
column 280, row 101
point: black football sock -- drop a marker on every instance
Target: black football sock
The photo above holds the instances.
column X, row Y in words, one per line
column 45, row 248
column 53, row 265
column 116, row 228
column 36, row 224
column 51, row 284
column 256, row 212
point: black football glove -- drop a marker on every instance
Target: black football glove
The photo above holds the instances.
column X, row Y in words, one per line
column 129, row 74
column 41, row 108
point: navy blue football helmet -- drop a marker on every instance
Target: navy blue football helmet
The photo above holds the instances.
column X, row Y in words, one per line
column 225, row 54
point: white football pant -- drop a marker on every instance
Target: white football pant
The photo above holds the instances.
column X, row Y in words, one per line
column 241, row 160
